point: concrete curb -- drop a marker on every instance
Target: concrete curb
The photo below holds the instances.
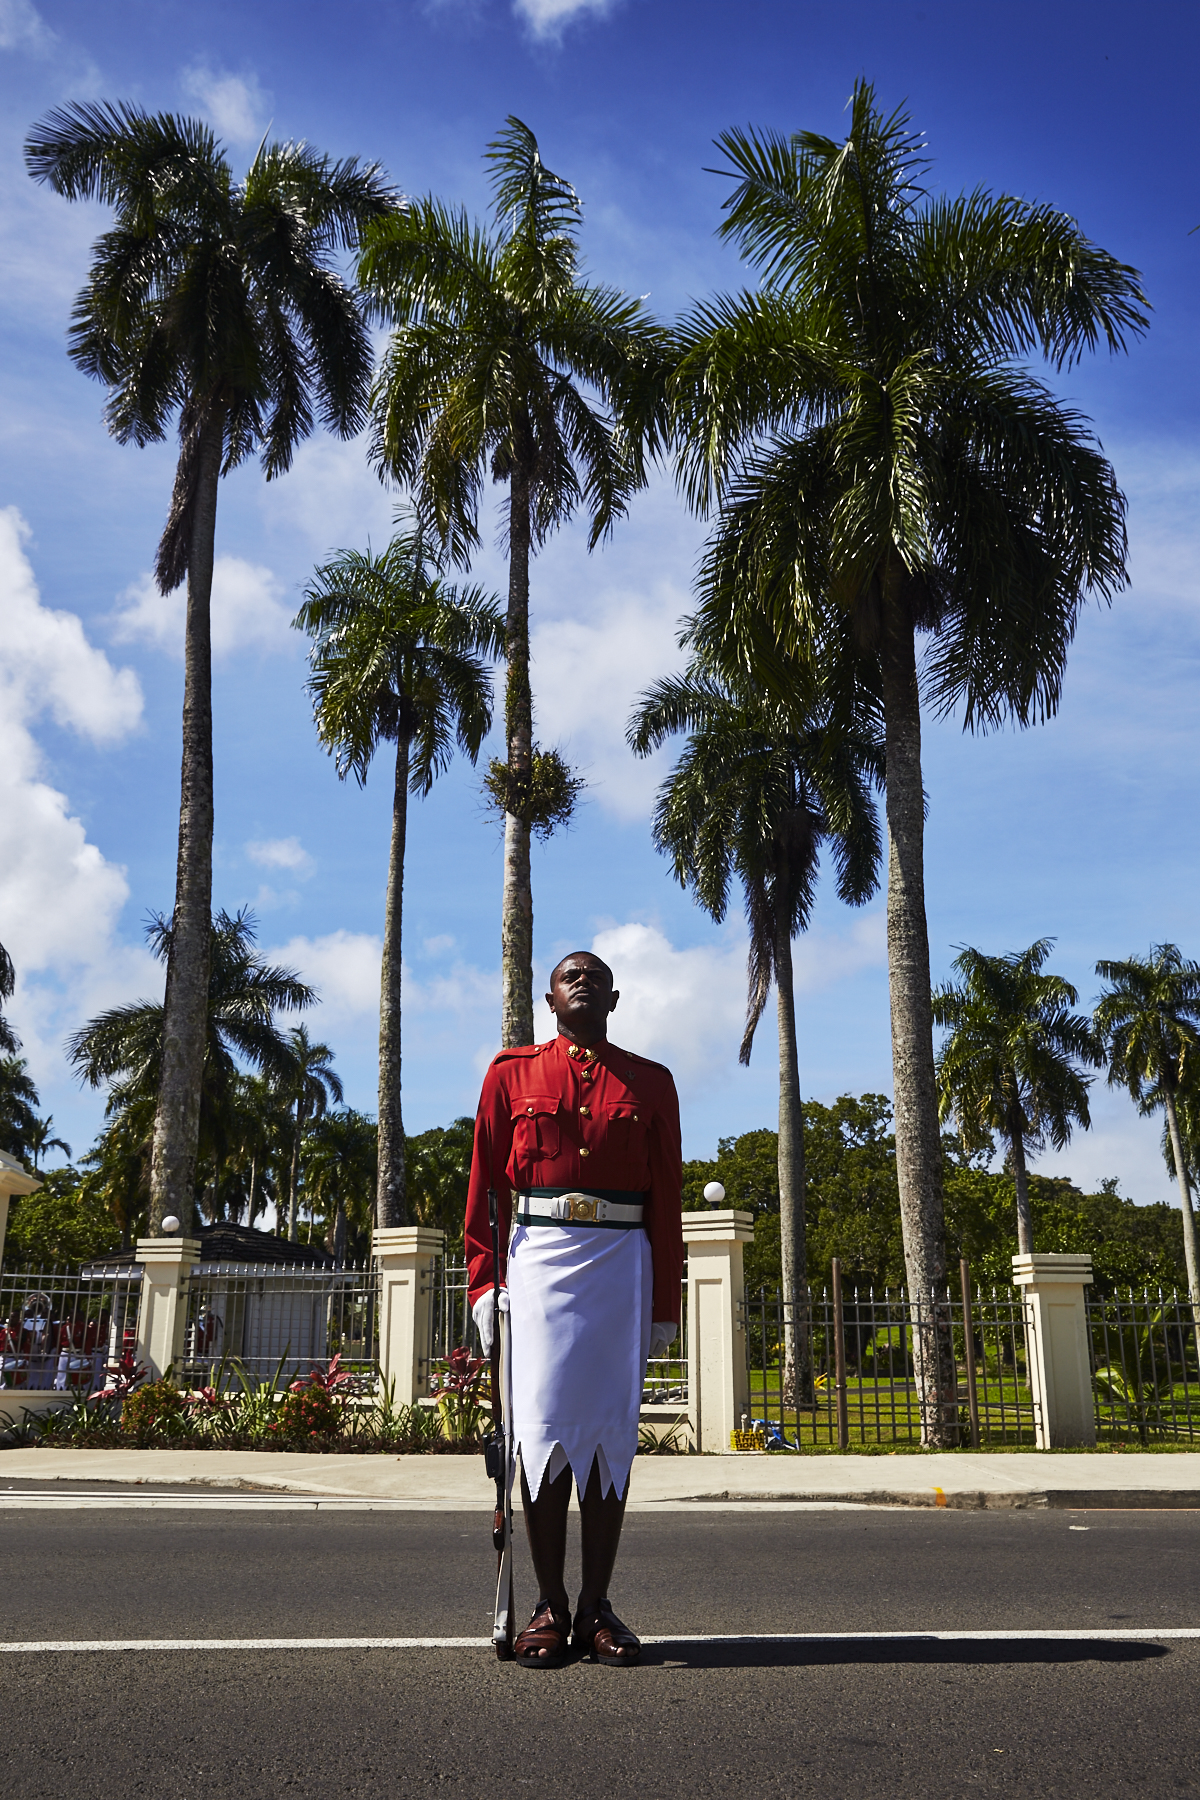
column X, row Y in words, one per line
column 981, row 1500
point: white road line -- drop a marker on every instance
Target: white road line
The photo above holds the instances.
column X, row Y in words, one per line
column 1146, row 1634
column 235, row 1501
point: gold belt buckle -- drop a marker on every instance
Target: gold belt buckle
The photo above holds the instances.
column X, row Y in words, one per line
column 582, row 1208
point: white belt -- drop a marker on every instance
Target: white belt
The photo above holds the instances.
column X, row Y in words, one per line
column 576, row 1209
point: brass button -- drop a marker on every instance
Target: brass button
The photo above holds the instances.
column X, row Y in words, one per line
column 584, row 1151
column 635, row 1118
column 586, row 1111
column 529, row 1109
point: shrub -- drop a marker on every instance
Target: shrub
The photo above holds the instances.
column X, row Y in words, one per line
column 307, row 1412
column 156, row 1410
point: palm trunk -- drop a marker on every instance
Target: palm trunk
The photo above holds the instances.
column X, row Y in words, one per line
column 797, row 1362
column 1016, row 1140
column 1189, row 1220
column 339, row 1237
column 294, row 1183
column 918, row 1137
column 391, row 1193
column 253, row 1186
column 185, row 1005
column 516, row 921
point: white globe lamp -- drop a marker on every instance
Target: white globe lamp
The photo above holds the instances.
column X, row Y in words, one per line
column 714, row 1193
column 170, row 1223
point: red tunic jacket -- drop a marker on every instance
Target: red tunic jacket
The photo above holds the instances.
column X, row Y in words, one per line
column 550, row 1119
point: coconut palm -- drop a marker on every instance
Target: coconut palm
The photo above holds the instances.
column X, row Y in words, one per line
column 1011, row 1063
column 18, row 1107
column 505, row 361
column 398, row 657
column 756, row 794
column 877, row 457
column 10, row 1043
column 217, row 301
column 124, row 1047
column 41, row 1139
column 309, row 1085
column 1148, row 1020
column 339, row 1176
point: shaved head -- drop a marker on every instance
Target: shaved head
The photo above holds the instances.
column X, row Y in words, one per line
column 579, row 956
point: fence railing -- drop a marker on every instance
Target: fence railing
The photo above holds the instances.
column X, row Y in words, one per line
column 271, row 1318
column 1144, row 1365
column 852, row 1373
column 62, row 1329
column 451, row 1325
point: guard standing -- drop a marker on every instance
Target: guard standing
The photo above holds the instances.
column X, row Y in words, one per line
column 585, row 1139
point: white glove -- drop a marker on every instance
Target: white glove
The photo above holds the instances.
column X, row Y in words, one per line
column 663, row 1333
column 484, row 1314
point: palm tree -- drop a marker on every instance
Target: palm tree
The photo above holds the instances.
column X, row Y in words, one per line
column 218, row 301
column 879, row 461
column 505, row 360
column 1010, row 1062
column 124, row 1047
column 10, row 1043
column 310, row 1084
column 397, row 658
column 339, row 1176
column 18, row 1107
column 1148, row 1021
column 756, row 794
column 40, row 1140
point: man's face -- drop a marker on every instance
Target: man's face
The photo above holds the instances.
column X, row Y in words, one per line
column 582, row 996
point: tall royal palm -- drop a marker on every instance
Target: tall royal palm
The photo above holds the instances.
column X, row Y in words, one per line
column 1148, row 1019
column 398, row 657
column 309, row 1085
column 1011, row 1062
column 216, row 302
column 756, row 794
column 877, row 456
column 505, row 361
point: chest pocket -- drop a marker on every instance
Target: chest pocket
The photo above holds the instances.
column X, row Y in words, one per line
column 537, row 1132
column 628, row 1128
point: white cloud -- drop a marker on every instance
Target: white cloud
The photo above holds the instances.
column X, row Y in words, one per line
column 546, row 18
column 60, row 898
column 344, row 968
column 247, row 612
column 438, row 946
column 235, row 105
column 281, row 853
column 681, row 1007
column 23, row 28
column 587, row 674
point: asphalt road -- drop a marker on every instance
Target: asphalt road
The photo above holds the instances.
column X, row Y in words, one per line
column 867, row 1717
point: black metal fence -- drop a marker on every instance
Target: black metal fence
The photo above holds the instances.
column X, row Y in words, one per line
column 63, row 1329
column 844, row 1372
column 1144, row 1365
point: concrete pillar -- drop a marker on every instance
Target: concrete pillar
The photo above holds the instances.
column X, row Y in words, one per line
column 162, row 1315
column 718, row 1376
column 406, row 1256
column 1057, row 1346
column 14, row 1179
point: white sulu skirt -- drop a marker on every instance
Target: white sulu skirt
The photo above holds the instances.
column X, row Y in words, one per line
column 579, row 1316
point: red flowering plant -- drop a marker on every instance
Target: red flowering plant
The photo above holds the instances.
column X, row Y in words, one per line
column 314, row 1405
column 461, row 1388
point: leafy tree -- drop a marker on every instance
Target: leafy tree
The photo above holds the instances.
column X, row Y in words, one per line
column 124, row 1046
column 117, row 1168
column 65, row 1221
column 41, row 1140
column 756, row 794
column 882, row 464
column 397, row 657
column 505, row 360
column 19, row 1122
column 217, row 301
column 439, row 1162
column 340, row 1179
column 1010, row 1064
column 310, row 1084
column 1148, row 1020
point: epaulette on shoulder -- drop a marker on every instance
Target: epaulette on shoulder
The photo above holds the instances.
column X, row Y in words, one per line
column 647, row 1062
column 520, row 1050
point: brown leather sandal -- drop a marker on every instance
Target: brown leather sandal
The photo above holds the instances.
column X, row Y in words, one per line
column 546, row 1632
column 600, row 1634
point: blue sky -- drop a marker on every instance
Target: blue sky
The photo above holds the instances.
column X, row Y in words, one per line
column 1083, row 829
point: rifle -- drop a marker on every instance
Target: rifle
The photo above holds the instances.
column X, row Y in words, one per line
column 497, row 1453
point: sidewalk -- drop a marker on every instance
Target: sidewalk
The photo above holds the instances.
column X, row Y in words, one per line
column 1017, row 1479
